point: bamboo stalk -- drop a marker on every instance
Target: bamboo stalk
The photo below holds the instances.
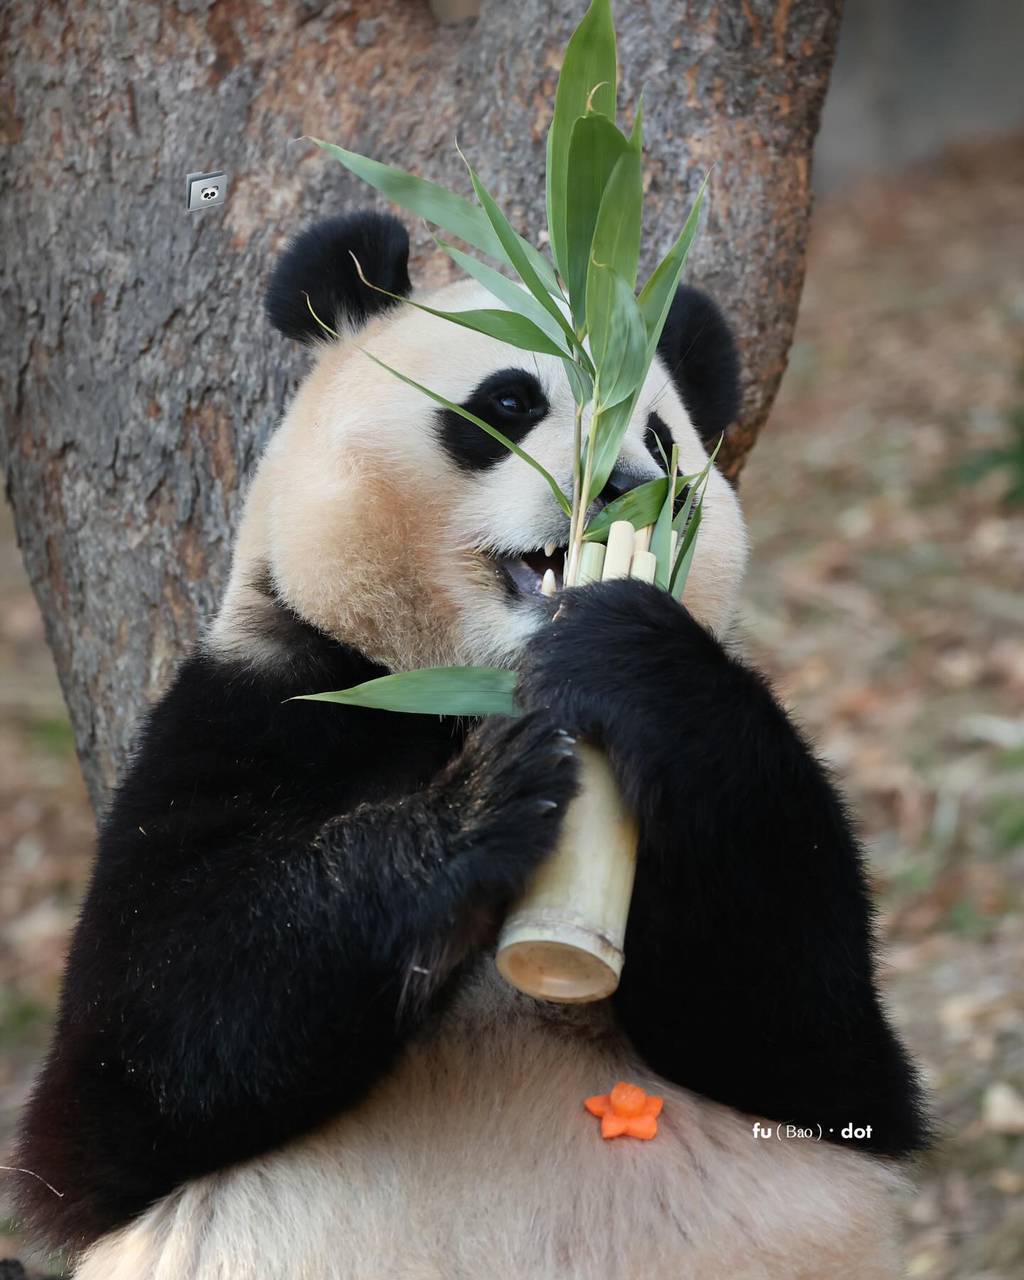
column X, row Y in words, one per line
column 563, row 941
column 619, row 554
column 591, row 565
column 644, row 566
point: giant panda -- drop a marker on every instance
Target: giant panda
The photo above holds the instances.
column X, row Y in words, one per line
column 283, row 1050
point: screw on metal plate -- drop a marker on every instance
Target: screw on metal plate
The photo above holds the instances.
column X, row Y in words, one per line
column 205, row 189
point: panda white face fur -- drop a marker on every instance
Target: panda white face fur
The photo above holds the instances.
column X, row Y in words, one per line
column 283, row 1048
column 408, row 533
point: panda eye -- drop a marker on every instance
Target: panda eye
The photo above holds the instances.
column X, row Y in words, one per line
column 519, row 401
column 511, row 400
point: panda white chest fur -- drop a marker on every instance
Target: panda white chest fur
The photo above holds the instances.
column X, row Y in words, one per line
column 475, row 1158
column 283, row 1048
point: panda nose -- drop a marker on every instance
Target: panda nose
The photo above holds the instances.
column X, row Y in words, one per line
column 619, row 482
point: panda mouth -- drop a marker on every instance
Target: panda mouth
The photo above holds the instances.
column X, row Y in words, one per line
column 533, row 574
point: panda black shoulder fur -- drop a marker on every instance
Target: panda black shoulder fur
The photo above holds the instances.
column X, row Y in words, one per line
column 282, row 1049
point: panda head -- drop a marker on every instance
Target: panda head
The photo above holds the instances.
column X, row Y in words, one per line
column 402, row 529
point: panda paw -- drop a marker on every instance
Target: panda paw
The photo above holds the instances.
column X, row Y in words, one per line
column 615, row 659
column 509, row 790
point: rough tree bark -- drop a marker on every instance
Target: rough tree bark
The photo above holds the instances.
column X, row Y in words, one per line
column 138, row 377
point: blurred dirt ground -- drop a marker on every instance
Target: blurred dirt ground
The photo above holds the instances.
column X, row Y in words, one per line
column 886, row 598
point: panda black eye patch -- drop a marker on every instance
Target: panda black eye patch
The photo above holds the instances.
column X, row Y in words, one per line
column 511, row 400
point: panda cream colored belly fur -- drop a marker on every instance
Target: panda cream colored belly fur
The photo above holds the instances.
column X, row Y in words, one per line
column 283, row 1050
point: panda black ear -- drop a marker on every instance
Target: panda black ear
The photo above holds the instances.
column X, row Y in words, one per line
column 318, row 264
column 699, row 349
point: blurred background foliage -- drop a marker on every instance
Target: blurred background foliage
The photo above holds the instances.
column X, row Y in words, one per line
column 885, row 598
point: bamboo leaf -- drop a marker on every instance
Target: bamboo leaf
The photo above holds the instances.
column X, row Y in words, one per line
column 654, row 302
column 580, row 381
column 331, row 333
column 661, row 451
column 515, row 297
column 687, row 526
column 682, row 517
column 657, row 294
column 640, row 506
column 712, row 456
column 438, row 691
column 697, row 484
column 510, row 445
column 454, row 213
column 636, row 137
column 615, row 410
column 617, row 230
column 620, row 344
column 688, row 545
column 457, row 215
column 506, row 326
column 515, row 253
column 588, row 80
column 661, row 537
column 612, row 424
column 594, row 150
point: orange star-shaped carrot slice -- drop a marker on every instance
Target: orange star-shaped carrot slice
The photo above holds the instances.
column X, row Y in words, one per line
column 626, row 1111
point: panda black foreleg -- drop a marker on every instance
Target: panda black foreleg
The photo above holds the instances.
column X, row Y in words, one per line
column 317, row 946
column 749, row 973
column 244, row 969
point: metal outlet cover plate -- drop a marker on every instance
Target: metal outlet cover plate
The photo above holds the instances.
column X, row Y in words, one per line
column 204, row 190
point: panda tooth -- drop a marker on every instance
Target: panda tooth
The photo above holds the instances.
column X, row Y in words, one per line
column 548, row 585
column 549, row 549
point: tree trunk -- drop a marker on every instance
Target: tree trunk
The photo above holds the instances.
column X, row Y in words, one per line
column 138, row 375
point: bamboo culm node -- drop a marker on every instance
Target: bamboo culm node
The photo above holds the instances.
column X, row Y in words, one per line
column 563, row 941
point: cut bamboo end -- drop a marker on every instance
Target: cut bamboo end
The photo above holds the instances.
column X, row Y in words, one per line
column 619, row 555
column 642, row 541
column 573, row 966
column 564, row 940
column 591, row 564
